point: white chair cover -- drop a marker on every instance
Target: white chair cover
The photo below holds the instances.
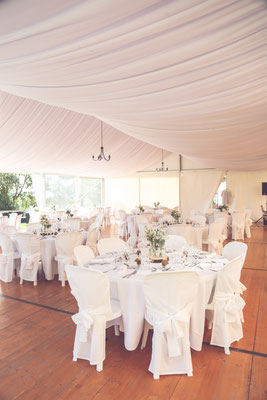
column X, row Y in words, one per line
column 169, row 297
column 74, row 223
column 122, row 227
column 132, row 227
column 238, row 225
column 215, row 236
column 65, row 244
column 92, row 239
column 175, row 242
column 110, row 245
column 9, row 230
column 18, row 222
column 91, row 221
column 83, row 255
column 199, row 220
column 4, row 221
column 227, row 306
column 30, row 250
column 33, row 227
column 12, row 219
column 225, row 216
column 248, row 222
column 91, row 290
column 233, row 250
column 7, row 258
column 141, row 229
column 107, row 216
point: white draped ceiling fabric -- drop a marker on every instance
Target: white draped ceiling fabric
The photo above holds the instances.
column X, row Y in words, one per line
column 187, row 76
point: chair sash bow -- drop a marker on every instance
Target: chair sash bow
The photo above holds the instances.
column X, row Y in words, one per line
column 28, row 261
column 170, row 324
column 233, row 307
column 86, row 319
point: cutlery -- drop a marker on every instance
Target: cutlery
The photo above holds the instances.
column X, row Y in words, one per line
column 132, row 273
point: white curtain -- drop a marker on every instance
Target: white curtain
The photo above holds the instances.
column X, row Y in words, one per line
column 164, row 189
column 122, row 193
column 198, row 189
column 246, row 188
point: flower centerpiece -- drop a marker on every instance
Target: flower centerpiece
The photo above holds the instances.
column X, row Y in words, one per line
column 141, row 208
column 223, row 207
column 156, row 205
column 44, row 221
column 69, row 213
column 176, row 216
column 156, row 238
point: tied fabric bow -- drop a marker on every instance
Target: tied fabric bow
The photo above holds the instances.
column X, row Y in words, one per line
column 233, row 308
column 171, row 325
column 29, row 260
column 86, row 319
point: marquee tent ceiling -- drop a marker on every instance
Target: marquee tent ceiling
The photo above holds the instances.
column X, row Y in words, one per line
column 186, row 76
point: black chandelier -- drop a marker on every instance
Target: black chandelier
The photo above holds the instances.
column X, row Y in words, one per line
column 162, row 168
column 101, row 156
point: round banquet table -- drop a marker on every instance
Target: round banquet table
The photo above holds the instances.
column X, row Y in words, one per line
column 194, row 235
column 129, row 291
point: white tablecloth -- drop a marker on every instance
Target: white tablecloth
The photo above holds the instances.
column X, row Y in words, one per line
column 129, row 292
column 194, row 235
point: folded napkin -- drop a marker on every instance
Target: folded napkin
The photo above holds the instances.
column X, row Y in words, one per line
column 100, row 260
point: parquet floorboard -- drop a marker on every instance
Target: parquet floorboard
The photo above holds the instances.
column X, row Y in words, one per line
column 36, row 348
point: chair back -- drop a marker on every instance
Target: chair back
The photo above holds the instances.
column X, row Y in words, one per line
column 83, row 255
column 9, row 230
column 235, row 249
column 4, row 220
column 170, row 292
column 92, row 239
column 18, row 222
column 33, row 227
column 6, row 243
column 122, row 215
column 90, row 288
column 175, row 242
column 132, row 227
column 74, row 223
column 91, row 221
column 216, row 229
column 229, row 277
column 12, row 219
column 238, row 219
column 66, row 242
column 109, row 245
column 141, row 219
column 28, row 243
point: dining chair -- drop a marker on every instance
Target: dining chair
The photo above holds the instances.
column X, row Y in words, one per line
column 83, row 255
column 109, row 245
column 169, row 300
column 65, row 244
column 233, row 250
column 74, row 223
column 9, row 230
column 29, row 247
column 96, row 313
column 33, row 227
column 122, row 226
column 175, row 242
column 92, row 239
column 225, row 312
column 9, row 259
column 215, row 238
column 107, row 216
column 248, row 222
column 238, row 225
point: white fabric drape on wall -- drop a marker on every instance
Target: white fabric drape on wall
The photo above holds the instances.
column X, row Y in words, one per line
column 122, row 193
column 246, row 188
column 164, row 189
column 186, row 76
column 198, row 188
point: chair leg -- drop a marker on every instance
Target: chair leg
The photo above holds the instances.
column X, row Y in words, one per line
column 116, row 330
column 226, row 350
column 156, row 376
column 63, row 283
column 21, row 281
column 190, row 373
column 74, row 358
column 145, row 334
column 35, row 282
column 99, row 367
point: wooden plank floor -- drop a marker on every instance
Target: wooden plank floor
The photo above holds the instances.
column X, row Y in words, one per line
column 36, row 342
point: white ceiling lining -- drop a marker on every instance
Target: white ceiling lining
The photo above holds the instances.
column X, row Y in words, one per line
column 189, row 77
